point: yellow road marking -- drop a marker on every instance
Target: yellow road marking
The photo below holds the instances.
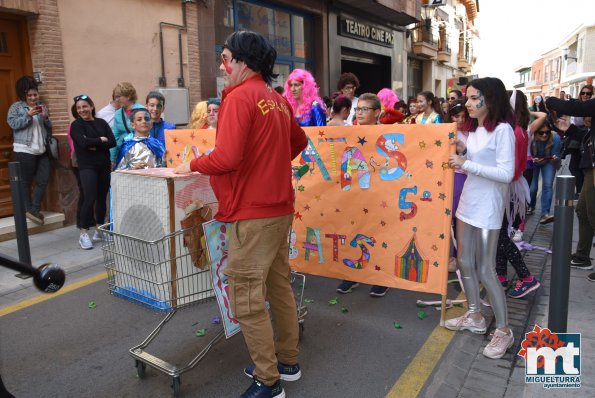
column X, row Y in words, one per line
column 46, row 296
column 416, row 374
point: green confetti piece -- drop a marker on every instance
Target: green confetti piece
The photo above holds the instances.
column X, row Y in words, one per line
column 420, row 305
column 333, row 301
column 422, row 314
column 195, row 323
column 397, row 325
column 344, row 310
column 460, row 305
column 201, row 332
column 308, row 301
column 453, row 280
column 92, row 304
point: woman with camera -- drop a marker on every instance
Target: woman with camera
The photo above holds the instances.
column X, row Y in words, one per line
column 31, row 125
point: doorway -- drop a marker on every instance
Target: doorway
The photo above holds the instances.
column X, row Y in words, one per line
column 15, row 61
column 372, row 70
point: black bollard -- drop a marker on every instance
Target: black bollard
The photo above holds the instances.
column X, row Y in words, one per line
column 18, row 205
column 560, row 276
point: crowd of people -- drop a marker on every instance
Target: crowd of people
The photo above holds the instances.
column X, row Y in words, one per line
column 505, row 150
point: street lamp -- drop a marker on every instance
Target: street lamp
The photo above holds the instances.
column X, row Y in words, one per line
column 566, row 51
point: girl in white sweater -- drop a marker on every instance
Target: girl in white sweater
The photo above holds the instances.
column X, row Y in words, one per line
column 488, row 159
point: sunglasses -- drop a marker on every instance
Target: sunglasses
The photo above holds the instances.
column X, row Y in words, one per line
column 455, row 109
column 363, row 109
column 544, row 132
column 587, row 93
column 81, row 97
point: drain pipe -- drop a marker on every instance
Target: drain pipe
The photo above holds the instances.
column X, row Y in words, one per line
column 181, row 28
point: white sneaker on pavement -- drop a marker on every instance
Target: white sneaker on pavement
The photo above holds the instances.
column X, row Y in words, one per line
column 97, row 236
column 500, row 343
column 465, row 322
column 85, row 242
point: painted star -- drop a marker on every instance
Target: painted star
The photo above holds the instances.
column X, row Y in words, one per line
column 441, row 196
column 337, row 210
column 307, row 207
column 414, row 229
column 377, row 268
column 434, row 247
column 383, row 204
column 178, row 155
column 365, row 210
column 361, row 140
column 301, row 188
column 445, row 165
column 422, row 144
column 321, row 133
column 175, row 140
column 192, row 135
column 204, row 141
column 447, row 212
column 352, row 222
column 435, row 263
column 438, row 143
column 441, row 236
column 451, row 135
column 317, row 197
column 439, row 183
column 321, row 214
column 384, row 245
column 297, row 215
column 171, row 160
column 429, row 164
column 382, row 223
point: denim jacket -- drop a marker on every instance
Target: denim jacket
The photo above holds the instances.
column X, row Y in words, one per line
column 20, row 123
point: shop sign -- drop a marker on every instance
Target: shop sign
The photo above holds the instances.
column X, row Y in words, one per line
column 364, row 31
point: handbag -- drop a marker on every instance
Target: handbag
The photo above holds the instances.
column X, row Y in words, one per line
column 52, row 147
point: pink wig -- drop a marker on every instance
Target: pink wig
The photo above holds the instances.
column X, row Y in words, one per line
column 387, row 97
column 309, row 93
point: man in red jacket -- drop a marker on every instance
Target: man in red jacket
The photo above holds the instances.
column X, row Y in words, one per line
column 250, row 169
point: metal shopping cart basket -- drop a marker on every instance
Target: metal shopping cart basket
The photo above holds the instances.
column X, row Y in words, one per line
column 162, row 276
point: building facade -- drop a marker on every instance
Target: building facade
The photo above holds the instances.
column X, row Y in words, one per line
column 86, row 47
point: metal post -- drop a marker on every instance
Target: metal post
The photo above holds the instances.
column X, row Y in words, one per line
column 18, row 205
column 561, row 248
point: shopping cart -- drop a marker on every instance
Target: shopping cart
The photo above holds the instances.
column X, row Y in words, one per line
column 161, row 275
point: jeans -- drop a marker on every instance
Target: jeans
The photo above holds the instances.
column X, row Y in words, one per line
column 38, row 167
column 258, row 271
column 548, row 172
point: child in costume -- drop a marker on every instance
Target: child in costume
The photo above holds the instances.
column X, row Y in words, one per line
column 140, row 151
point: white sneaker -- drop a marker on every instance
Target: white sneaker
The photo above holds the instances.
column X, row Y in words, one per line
column 500, row 343
column 85, row 242
column 97, row 236
column 465, row 322
column 517, row 236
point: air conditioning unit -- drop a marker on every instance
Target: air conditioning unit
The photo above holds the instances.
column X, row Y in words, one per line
column 153, row 263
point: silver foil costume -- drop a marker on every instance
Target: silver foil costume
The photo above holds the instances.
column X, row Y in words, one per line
column 139, row 156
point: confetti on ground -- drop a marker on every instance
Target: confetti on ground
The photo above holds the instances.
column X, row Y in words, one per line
column 92, row 304
column 420, row 305
column 195, row 323
column 344, row 310
column 453, row 280
column 333, row 301
column 459, row 305
column 201, row 332
column 216, row 320
column 422, row 314
column 308, row 301
column 397, row 325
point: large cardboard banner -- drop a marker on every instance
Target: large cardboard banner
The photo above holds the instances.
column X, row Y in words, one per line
column 373, row 206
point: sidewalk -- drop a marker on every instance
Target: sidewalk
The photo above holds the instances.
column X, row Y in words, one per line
column 59, row 246
column 463, row 371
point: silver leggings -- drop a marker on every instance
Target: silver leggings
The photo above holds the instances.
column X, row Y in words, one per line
column 477, row 262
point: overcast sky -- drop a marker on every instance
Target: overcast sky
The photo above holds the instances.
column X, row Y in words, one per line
column 516, row 32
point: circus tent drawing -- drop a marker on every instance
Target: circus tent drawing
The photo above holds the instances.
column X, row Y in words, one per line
column 410, row 263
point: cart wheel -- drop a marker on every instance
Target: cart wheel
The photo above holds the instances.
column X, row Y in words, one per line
column 176, row 385
column 140, row 369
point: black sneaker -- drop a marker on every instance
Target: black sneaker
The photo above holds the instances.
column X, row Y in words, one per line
column 580, row 264
column 346, row 287
column 591, row 277
column 287, row 372
column 259, row 390
column 378, row 291
column 35, row 216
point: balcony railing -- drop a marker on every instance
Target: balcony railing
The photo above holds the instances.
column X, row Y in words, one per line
column 425, row 40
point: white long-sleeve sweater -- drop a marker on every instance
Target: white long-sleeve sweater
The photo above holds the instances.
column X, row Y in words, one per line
column 490, row 169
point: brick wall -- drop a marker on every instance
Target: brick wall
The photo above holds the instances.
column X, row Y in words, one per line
column 45, row 38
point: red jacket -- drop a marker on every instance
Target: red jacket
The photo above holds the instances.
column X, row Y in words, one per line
column 250, row 168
